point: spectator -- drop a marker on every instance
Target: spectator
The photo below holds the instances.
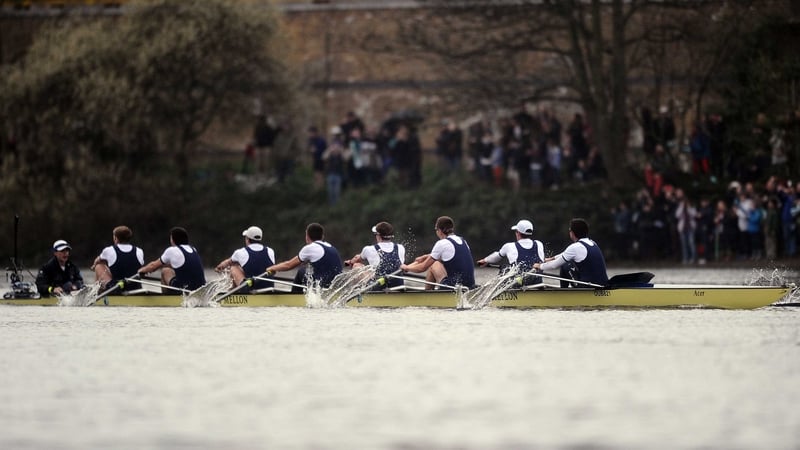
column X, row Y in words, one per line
column 686, row 214
column 648, row 131
column 700, row 145
column 449, row 146
column 316, row 147
column 665, row 129
column 335, row 165
column 351, row 122
column 554, row 156
column 264, row 137
column 717, row 133
column 285, row 148
column 357, row 160
column 705, row 231
column 577, row 137
column 772, row 228
column 595, row 167
column 485, row 157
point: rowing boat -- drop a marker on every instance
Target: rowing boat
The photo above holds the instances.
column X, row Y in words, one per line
column 658, row 296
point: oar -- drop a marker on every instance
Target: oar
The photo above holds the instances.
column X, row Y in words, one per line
column 150, row 283
column 282, row 281
column 520, row 278
column 118, row 285
column 424, row 281
column 585, row 283
column 378, row 283
column 248, row 282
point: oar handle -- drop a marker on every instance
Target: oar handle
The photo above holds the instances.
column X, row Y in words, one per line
column 424, row 281
column 585, row 283
column 283, row 281
column 143, row 280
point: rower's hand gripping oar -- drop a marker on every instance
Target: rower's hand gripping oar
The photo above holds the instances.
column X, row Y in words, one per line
column 118, row 285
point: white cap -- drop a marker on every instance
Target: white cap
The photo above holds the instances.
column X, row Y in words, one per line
column 523, row 226
column 253, row 233
column 60, row 245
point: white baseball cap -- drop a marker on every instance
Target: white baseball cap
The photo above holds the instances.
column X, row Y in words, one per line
column 60, row 245
column 524, row 227
column 253, row 233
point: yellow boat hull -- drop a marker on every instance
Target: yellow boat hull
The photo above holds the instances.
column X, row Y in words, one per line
column 725, row 297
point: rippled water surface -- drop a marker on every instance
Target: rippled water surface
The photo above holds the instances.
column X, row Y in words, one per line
column 238, row 378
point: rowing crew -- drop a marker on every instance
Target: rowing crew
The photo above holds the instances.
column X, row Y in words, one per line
column 449, row 263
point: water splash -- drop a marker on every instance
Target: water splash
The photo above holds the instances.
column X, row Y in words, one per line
column 314, row 296
column 348, row 285
column 82, row 297
column 793, row 297
column 775, row 277
column 208, row 294
column 768, row 277
column 483, row 295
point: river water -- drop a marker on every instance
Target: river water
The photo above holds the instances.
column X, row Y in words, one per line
column 267, row 378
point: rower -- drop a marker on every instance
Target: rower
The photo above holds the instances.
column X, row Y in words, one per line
column 180, row 263
column 524, row 252
column 450, row 260
column 250, row 260
column 321, row 256
column 582, row 260
column 385, row 256
column 118, row 261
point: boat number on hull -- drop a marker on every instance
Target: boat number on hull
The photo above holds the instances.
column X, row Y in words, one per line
column 602, row 293
column 235, row 300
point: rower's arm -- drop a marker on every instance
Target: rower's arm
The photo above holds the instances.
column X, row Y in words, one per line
column 285, row 265
column 420, row 264
column 551, row 263
column 152, row 266
column 226, row 263
column 493, row 258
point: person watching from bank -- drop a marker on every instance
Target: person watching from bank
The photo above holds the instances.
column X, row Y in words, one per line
column 450, row 260
column 249, row 261
column 582, row 260
column 385, row 256
column 524, row 252
column 180, row 264
column 59, row 275
column 322, row 258
column 118, row 261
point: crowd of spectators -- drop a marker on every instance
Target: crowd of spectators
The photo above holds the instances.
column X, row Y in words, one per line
column 745, row 223
column 669, row 218
column 354, row 156
column 756, row 217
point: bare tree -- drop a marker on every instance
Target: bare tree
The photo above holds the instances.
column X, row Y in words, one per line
column 585, row 52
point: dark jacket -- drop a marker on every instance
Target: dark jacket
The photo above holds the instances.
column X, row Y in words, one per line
column 51, row 276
